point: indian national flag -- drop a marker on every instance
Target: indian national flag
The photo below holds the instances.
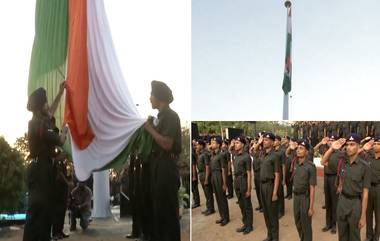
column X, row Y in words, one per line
column 73, row 42
column 287, row 82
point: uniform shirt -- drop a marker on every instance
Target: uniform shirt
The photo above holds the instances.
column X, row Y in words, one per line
column 242, row 164
column 305, row 175
column 355, row 176
column 332, row 166
column 218, row 161
column 203, row 160
column 256, row 162
column 376, row 126
column 281, row 158
column 169, row 125
column 269, row 165
column 374, row 166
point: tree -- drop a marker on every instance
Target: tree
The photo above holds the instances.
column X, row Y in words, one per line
column 12, row 177
column 21, row 145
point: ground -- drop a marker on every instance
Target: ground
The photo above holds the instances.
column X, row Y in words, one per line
column 99, row 230
column 204, row 227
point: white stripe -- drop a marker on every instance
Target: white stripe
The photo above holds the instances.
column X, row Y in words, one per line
column 112, row 113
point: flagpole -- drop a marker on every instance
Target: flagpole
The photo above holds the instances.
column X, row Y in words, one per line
column 285, row 107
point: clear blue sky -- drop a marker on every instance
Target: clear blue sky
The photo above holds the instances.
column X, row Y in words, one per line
column 238, row 51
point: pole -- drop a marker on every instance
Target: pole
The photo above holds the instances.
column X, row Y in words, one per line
column 285, row 109
column 102, row 208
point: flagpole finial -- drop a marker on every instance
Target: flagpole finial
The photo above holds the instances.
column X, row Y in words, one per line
column 288, row 4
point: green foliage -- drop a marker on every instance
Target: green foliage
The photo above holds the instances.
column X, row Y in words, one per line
column 12, row 177
column 183, row 196
column 184, row 158
column 21, row 145
column 250, row 128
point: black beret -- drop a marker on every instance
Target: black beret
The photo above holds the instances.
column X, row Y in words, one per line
column 161, row 91
column 37, row 100
column 353, row 137
column 218, row 139
column 377, row 139
column 241, row 139
column 269, row 135
column 201, row 142
column 304, row 143
column 332, row 138
column 277, row 137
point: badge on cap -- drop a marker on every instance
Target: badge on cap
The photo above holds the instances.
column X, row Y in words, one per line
column 351, row 138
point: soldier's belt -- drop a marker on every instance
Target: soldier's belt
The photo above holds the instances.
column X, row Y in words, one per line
column 300, row 193
column 330, row 175
column 240, row 174
column 348, row 196
column 267, row 181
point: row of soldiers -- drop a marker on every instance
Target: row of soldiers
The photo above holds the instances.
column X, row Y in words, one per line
column 316, row 130
column 278, row 162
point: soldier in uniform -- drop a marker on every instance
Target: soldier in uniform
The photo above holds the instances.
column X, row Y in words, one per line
column 194, row 183
column 269, row 183
column 243, row 182
column 203, row 163
column 330, row 165
column 373, row 207
column 354, row 181
column 304, row 182
column 42, row 141
column 290, row 159
column 227, row 153
column 281, row 197
column 218, row 168
column 256, row 171
column 165, row 180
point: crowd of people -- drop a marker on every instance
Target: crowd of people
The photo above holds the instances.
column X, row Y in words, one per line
column 273, row 164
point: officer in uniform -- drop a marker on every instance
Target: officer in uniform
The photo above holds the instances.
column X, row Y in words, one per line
column 330, row 185
column 256, row 172
column 165, row 180
column 42, row 141
column 218, row 168
column 354, row 182
column 226, row 152
column 290, row 160
column 281, row 197
column 304, row 182
column 203, row 162
column 243, row 182
column 194, row 183
column 373, row 207
column 270, row 179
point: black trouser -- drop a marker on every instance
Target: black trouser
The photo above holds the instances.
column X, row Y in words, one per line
column 281, row 199
column 195, row 191
column 245, row 203
column 373, row 207
column 230, row 186
column 59, row 213
column 256, row 180
column 165, row 183
column 270, row 209
column 301, row 203
column 289, row 181
column 220, row 196
column 38, row 222
column 207, row 189
column 331, row 199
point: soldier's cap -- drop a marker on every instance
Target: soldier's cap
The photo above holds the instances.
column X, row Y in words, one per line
column 269, row 135
column 377, row 139
column 201, row 142
column 332, row 137
column 293, row 139
column 161, row 91
column 37, row 100
column 353, row 137
column 277, row 137
column 241, row 139
column 218, row 139
column 304, row 143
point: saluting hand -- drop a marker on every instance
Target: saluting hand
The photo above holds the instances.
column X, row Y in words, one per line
column 336, row 145
column 325, row 140
column 293, row 145
column 368, row 146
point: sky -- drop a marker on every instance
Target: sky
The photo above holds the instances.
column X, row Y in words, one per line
column 238, row 56
column 152, row 41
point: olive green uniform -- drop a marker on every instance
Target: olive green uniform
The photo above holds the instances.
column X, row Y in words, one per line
column 269, row 166
column 373, row 206
column 256, row 176
column 203, row 160
column 242, row 165
column 218, row 161
column 304, row 176
column 281, row 196
column 355, row 177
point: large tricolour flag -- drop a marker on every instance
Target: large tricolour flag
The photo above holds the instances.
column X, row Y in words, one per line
column 73, row 42
column 287, row 82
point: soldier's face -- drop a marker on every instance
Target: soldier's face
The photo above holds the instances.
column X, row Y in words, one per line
column 301, row 151
column 154, row 102
column 352, row 148
column 376, row 147
column 238, row 146
column 214, row 145
column 267, row 143
column 276, row 142
column 224, row 146
column 199, row 147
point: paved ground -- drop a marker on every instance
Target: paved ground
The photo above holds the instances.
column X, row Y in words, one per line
column 204, row 228
column 99, row 230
